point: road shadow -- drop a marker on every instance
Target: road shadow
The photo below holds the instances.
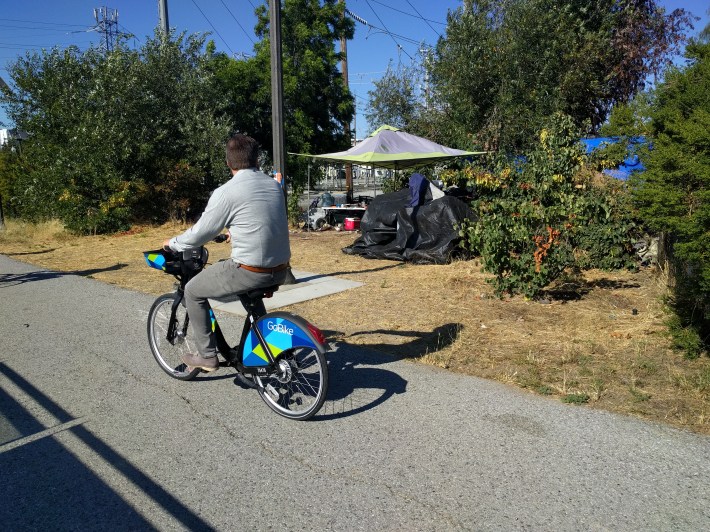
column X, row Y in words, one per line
column 44, row 486
column 358, row 382
column 355, row 385
column 13, row 279
column 22, row 253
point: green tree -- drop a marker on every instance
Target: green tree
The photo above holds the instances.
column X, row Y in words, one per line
column 317, row 105
column 673, row 195
column 504, row 65
column 393, row 101
column 630, row 124
column 11, row 166
column 119, row 135
column 396, row 101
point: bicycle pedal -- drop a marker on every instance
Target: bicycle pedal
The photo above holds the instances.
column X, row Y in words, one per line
column 272, row 392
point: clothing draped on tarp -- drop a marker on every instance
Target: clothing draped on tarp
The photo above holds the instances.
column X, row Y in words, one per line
column 418, row 186
column 409, row 225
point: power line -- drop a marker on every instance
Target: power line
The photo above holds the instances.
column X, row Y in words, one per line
column 215, row 29
column 39, row 22
column 421, row 17
column 366, row 73
column 20, row 46
column 238, row 23
column 418, row 15
column 43, row 34
column 383, row 30
column 37, row 28
column 388, row 32
column 129, row 33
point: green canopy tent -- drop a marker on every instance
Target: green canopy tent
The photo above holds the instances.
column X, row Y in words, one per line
column 391, row 230
column 394, row 149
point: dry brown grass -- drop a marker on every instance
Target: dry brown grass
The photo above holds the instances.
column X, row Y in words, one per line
column 590, row 346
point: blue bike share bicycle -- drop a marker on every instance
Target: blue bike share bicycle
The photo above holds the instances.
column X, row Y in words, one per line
column 281, row 355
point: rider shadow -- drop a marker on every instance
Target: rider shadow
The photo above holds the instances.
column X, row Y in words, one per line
column 356, row 384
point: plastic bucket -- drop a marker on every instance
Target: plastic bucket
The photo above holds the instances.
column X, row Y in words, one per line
column 351, row 224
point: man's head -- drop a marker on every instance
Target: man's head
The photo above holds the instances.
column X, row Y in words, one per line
column 242, row 152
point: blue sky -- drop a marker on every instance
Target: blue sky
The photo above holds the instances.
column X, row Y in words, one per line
column 397, row 27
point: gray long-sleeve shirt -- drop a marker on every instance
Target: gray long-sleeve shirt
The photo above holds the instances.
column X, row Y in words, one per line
column 251, row 206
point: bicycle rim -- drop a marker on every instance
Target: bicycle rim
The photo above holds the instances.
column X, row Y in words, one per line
column 169, row 355
column 299, row 389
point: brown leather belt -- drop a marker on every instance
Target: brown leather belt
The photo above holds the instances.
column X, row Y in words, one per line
column 256, row 269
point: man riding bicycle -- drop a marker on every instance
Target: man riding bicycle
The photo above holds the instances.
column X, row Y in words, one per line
column 251, row 206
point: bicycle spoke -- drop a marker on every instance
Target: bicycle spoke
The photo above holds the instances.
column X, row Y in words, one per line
column 169, row 354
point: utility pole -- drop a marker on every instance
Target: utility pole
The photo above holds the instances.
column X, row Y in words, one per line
column 163, row 17
column 277, row 98
column 277, row 93
column 107, row 24
column 344, row 69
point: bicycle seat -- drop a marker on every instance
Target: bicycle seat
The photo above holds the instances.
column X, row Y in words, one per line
column 260, row 293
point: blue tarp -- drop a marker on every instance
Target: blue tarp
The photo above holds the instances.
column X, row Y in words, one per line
column 631, row 164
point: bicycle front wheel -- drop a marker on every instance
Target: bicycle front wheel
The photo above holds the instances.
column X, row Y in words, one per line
column 298, row 389
column 168, row 353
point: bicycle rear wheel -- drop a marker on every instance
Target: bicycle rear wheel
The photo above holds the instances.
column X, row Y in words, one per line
column 168, row 354
column 298, row 389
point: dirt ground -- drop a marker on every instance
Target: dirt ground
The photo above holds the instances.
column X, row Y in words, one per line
column 601, row 343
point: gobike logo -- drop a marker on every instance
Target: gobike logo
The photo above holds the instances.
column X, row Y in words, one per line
column 279, row 327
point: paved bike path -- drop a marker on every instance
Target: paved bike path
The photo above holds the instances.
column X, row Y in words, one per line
column 94, row 436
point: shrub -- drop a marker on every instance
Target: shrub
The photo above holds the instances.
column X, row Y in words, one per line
column 540, row 215
column 295, row 212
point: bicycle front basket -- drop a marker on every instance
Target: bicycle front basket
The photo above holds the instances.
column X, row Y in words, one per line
column 162, row 260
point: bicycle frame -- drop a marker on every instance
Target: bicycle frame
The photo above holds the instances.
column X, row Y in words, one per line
column 268, row 363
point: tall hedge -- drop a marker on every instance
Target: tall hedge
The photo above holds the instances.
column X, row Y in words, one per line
column 118, row 136
column 673, row 195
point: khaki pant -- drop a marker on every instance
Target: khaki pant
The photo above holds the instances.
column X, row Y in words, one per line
column 223, row 281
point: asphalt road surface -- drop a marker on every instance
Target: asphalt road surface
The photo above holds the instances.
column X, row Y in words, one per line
column 94, row 436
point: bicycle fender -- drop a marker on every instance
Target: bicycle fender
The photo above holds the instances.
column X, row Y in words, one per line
column 281, row 331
